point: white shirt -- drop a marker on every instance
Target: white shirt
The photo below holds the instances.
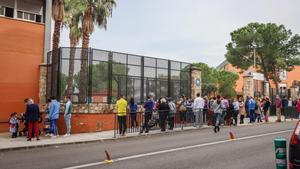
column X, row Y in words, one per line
column 199, row 103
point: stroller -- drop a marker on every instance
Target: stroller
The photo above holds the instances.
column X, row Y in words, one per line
column 154, row 121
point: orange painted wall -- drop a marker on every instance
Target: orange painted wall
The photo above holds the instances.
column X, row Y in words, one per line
column 21, row 52
column 82, row 123
column 240, row 82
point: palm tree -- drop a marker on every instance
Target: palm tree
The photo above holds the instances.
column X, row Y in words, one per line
column 71, row 21
column 93, row 12
column 57, row 15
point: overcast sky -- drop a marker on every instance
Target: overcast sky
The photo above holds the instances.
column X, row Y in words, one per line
column 186, row 30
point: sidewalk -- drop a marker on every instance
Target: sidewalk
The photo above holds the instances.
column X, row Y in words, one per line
column 7, row 143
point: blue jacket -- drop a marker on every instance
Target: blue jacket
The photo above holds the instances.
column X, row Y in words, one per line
column 54, row 110
column 251, row 104
column 32, row 113
column 149, row 106
column 133, row 107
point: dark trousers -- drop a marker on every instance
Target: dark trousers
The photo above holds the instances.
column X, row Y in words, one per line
column 162, row 120
column 235, row 116
column 133, row 119
column 171, row 122
column 252, row 116
column 122, row 124
column 205, row 112
column 33, row 125
column 145, row 126
column 242, row 119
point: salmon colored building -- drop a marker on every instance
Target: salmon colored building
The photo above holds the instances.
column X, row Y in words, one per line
column 22, row 47
column 289, row 84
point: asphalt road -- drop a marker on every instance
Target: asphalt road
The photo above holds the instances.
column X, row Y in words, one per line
column 195, row 149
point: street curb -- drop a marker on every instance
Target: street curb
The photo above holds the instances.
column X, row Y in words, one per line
column 126, row 137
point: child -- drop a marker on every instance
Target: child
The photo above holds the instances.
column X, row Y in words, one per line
column 13, row 125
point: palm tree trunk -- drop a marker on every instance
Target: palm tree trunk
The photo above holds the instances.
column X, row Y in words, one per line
column 55, row 58
column 71, row 67
column 83, row 68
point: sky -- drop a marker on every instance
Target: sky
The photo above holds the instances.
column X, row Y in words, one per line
column 186, row 30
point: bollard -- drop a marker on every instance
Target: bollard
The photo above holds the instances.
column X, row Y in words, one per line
column 280, row 153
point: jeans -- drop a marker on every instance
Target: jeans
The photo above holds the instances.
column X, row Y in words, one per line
column 235, row 116
column 122, row 124
column 199, row 117
column 133, row 119
column 252, row 116
column 68, row 123
column 54, row 129
column 171, row 122
column 217, row 119
column 146, row 125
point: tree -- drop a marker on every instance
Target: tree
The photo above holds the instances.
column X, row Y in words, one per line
column 276, row 49
column 57, row 15
column 71, row 21
column 214, row 80
column 92, row 12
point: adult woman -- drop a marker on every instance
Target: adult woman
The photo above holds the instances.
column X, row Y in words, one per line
column 163, row 110
column 242, row 110
column 181, row 109
column 216, row 106
column 133, row 111
column 266, row 106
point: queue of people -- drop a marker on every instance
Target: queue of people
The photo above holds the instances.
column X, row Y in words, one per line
column 32, row 117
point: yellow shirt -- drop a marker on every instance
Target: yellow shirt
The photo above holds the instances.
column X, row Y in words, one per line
column 121, row 107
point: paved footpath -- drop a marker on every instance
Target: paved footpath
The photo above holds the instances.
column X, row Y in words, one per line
column 7, row 143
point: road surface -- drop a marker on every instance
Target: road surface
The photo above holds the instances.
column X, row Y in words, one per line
column 194, row 149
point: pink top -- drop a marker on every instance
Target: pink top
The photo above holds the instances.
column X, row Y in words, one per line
column 278, row 103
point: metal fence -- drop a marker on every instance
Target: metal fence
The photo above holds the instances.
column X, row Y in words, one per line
column 135, row 122
column 99, row 76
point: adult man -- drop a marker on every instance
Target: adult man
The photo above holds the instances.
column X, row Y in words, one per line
column 67, row 115
column 122, row 109
column 266, row 107
column 251, row 109
column 172, row 112
column 148, row 113
column 32, row 116
column 163, row 111
column 53, row 116
column 278, row 105
column 198, row 106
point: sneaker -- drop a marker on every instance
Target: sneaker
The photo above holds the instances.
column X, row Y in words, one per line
column 67, row 135
column 53, row 136
column 47, row 135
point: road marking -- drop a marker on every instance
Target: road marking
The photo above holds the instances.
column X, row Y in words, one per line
column 176, row 149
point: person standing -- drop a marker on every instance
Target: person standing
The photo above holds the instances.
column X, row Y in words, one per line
column 251, row 109
column 54, row 115
column 172, row 113
column 205, row 109
column 236, row 109
column 32, row 117
column 225, row 106
column 133, row 112
column 247, row 106
column 266, row 107
column 149, row 105
column 13, row 123
column 163, row 111
column 67, row 115
column 122, row 109
column 242, row 110
column 217, row 108
column 298, row 107
column 198, row 110
column 278, row 105
column 182, row 110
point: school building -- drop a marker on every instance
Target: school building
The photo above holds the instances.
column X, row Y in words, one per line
column 24, row 40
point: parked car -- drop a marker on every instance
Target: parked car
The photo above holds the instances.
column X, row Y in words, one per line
column 294, row 150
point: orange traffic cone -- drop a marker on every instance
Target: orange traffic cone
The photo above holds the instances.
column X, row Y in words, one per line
column 108, row 159
column 232, row 137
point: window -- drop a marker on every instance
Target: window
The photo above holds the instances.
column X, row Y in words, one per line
column 29, row 16
column 9, row 12
column 149, row 62
column 162, row 63
column 2, row 10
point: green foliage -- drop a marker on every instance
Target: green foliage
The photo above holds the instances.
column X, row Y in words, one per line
column 276, row 49
column 214, row 80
